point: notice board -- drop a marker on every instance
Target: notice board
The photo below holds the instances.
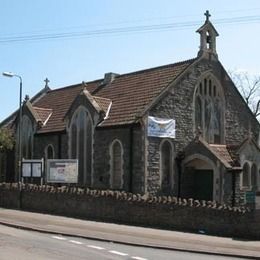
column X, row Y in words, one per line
column 62, row 171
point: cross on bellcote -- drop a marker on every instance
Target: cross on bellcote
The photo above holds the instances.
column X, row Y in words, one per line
column 207, row 14
column 46, row 82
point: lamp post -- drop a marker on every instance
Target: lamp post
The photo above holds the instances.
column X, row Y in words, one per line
column 10, row 75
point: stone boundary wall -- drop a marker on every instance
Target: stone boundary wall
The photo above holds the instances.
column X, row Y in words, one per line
column 134, row 209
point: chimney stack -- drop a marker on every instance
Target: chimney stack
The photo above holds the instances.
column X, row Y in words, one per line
column 109, row 77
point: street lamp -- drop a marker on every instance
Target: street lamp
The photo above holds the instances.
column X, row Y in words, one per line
column 10, row 75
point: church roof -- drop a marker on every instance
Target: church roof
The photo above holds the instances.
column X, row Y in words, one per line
column 9, row 122
column 226, row 154
column 59, row 101
column 43, row 114
column 104, row 103
column 130, row 94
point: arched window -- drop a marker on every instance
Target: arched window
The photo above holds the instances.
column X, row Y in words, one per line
column 48, row 155
column 198, row 115
column 27, row 137
column 49, row 152
column 258, row 180
column 254, row 177
column 89, row 150
column 209, row 110
column 116, row 165
column 74, row 140
column 166, row 152
column 80, row 143
column 245, row 176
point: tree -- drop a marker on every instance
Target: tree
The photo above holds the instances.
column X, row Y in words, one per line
column 6, row 140
column 249, row 87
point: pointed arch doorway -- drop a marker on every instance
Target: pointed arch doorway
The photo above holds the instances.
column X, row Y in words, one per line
column 203, row 184
column 198, row 179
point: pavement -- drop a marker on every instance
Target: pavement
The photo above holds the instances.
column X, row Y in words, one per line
column 131, row 235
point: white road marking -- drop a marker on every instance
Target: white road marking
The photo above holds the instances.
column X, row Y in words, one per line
column 76, row 242
column 99, row 248
column 59, row 238
column 96, row 247
column 117, row 253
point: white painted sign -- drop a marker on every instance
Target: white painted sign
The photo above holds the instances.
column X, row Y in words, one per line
column 26, row 170
column 62, row 171
column 32, row 168
column 161, row 127
column 37, row 170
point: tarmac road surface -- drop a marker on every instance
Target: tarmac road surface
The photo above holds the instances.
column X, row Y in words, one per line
column 131, row 235
column 19, row 244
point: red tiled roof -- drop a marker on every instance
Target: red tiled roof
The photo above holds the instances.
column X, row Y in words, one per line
column 59, row 101
column 222, row 152
column 9, row 121
column 130, row 94
column 103, row 103
column 43, row 113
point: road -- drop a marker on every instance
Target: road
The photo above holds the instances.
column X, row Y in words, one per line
column 19, row 244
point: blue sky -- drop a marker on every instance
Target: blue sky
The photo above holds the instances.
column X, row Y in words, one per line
column 69, row 61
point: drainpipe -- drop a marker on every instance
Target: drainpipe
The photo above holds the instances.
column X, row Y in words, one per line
column 131, row 138
column 235, row 171
column 59, row 146
column 179, row 158
column 233, row 189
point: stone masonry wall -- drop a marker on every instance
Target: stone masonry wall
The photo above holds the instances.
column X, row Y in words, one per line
column 103, row 140
column 121, row 207
column 59, row 141
column 138, row 178
column 130, row 139
column 41, row 142
column 177, row 103
column 239, row 119
column 101, row 166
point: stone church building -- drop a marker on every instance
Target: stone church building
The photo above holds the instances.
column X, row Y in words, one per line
column 214, row 154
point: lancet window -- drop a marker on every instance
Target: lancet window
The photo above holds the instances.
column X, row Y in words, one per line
column 81, row 144
column 209, row 110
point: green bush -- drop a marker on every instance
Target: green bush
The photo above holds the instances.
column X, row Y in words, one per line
column 6, row 140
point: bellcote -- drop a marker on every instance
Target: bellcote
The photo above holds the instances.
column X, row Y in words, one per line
column 208, row 35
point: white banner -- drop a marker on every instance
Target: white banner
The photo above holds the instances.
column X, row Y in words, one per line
column 161, row 127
